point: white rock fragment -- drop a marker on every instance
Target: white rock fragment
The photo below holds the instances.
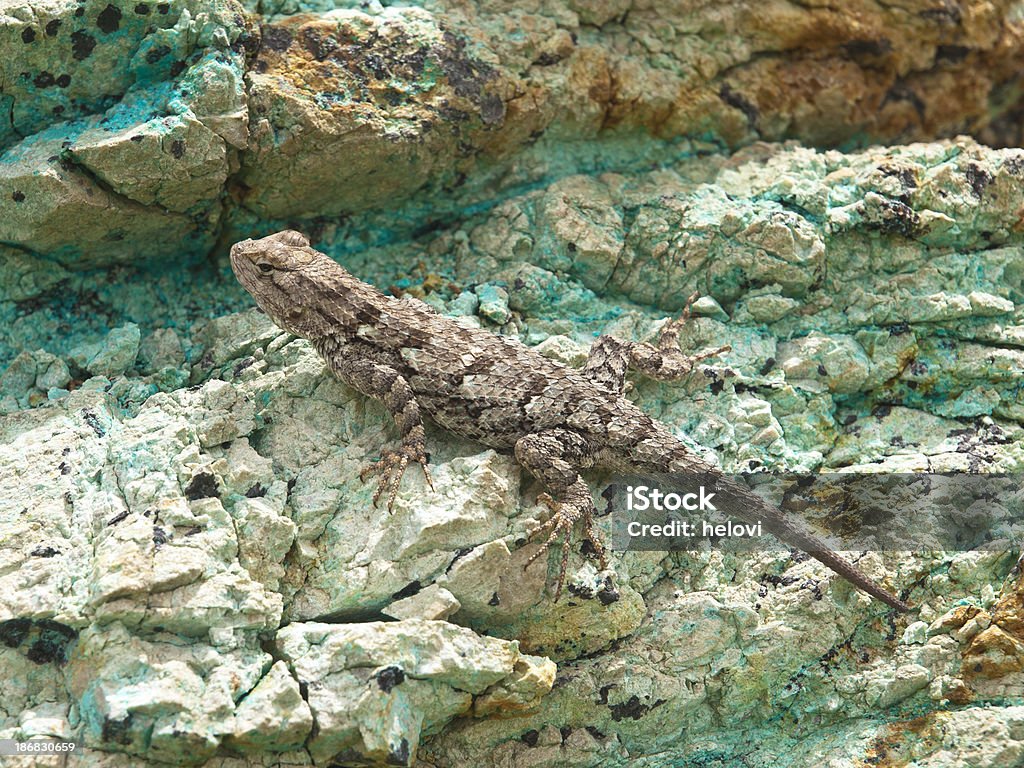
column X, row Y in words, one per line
column 273, row 716
column 432, row 602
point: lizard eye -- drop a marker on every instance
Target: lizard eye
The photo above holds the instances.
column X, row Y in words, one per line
column 265, row 267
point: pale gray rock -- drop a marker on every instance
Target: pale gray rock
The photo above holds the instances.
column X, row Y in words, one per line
column 111, row 356
column 433, row 603
column 273, row 716
column 375, row 688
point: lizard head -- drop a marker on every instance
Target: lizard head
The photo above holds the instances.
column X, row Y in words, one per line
column 277, row 270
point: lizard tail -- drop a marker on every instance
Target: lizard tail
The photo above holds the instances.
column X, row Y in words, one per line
column 744, row 503
column 738, row 501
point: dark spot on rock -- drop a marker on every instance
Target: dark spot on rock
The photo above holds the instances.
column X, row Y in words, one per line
column 768, row 365
column 951, row 53
column 858, row 49
column 291, row 484
column 52, row 26
column 530, row 738
column 408, row 590
column 163, row 8
column 142, row 9
column 717, row 387
column 547, row 59
column 465, row 75
column 117, row 518
column 28, row 35
column 906, row 177
column 881, row 411
column 194, row 530
column 93, row 421
column 1014, row 165
column 900, row 328
column 79, row 12
column 17, row 196
column 256, row 491
column 109, row 19
column 571, row 247
column 82, row 45
column 634, row 709
column 822, row 370
column 389, row 677
column 608, row 594
column 202, row 486
column 898, row 218
column 44, row 80
column 177, row 68
column 159, row 536
column 978, row 178
column 14, row 632
column 399, row 755
column 740, row 102
column 64, row 81
column 178, row 149
column 137, row 137
column 241, row 365
column 117, row 731
column 319, row 45
column 849, row 419
column 44, row 551
column 153, row 55
column 495, row 600
column 52, row 642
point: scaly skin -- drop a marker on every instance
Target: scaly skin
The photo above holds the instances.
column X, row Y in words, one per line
column 556, row 420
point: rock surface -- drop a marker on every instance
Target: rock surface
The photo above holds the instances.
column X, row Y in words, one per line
column 191, row 571
column 182, row 510
column 141, row 131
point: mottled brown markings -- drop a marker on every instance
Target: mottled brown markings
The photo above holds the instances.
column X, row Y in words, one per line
column 557, row 421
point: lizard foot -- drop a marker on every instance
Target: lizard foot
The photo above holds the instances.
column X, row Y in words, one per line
column 391, row 466
column 675, row 362
column 563, row 518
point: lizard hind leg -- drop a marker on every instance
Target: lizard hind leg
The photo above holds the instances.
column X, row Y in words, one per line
column 555, row 457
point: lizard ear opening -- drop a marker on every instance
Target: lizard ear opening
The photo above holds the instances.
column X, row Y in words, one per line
column 293, row 238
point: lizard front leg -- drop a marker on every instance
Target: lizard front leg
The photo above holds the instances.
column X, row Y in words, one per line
column 610, row 358
column 384, row 383
column 555, row 457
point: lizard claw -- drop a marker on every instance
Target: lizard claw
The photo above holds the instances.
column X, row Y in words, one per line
column 391, row 467
column 563, row 518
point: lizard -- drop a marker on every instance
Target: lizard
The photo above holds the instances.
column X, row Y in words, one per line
column 557, row 421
